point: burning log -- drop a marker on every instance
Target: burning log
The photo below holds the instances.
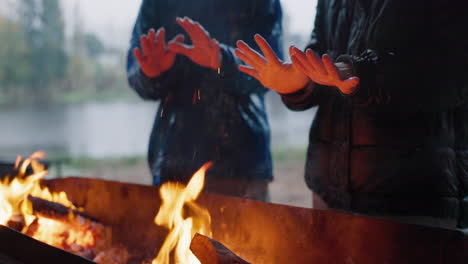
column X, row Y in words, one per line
column 68, row 229
column 49, row 217
column 209, row 251
column 16, row 222
column 83, row 238
column 56, row 211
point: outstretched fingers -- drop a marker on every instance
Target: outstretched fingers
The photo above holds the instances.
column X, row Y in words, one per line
column 193, row 29
column 299, row 60
column 241, row 55
column 145, row 45
column 252, row 55
column 266, row 49
column 179, row 38
column 151, row 35
column 181, row 48
column 160, row 36
column 183, row 22
column 330, row 67
column 176, row 45
column 138, row 55
column 298, row 64
column 315, row 62
column 159, row 40
column 199, row 31
column 250, row 71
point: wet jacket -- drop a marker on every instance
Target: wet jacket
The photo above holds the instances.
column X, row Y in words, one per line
column 399, row 145
column 205, row 115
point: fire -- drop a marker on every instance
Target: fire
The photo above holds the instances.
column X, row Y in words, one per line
column 14, row 192
column 62, row 234
column 16, row 207
column 182, row 224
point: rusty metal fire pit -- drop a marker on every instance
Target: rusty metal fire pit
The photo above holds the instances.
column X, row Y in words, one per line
column 266, row 233
column 16, row 248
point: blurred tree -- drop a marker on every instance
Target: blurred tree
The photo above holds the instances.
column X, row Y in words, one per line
column 43, row 26
column 94, row 46
column 96, row 72
column 14, row 68
column 39, row 65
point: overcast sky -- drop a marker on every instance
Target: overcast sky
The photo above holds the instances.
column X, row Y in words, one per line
column 116, row 17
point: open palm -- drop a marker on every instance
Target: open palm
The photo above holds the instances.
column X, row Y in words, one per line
column 269, row 69
column 155, row 58
column 322, row 71
column 204, row 50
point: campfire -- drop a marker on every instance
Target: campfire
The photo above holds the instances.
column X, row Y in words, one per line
column 46, row 216
column 117, row 223
column 53, row 219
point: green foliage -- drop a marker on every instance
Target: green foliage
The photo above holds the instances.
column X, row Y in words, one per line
column 94, row 46
column 90, row 163
column 283, row 155
column 14, row 67
column 43, row 25
column 39, row 65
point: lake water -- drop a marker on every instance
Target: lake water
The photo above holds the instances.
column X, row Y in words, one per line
column 116, row 129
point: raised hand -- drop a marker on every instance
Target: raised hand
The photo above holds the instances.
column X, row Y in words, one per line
column 323, row 71
column 205, row 51
column 156, row 58
column 269, row 69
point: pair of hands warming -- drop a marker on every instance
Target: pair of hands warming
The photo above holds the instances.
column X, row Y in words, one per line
column 156, row 56
column 286, row 77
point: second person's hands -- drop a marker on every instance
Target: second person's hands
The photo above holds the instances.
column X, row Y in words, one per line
column 269, row 69
column 324, row 71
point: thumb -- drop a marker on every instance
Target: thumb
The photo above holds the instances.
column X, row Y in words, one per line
column 181, row 48
column 138, row 55
column 178, row 38
column 349, row 86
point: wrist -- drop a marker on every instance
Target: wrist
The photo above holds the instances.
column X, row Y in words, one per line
column 153, row 73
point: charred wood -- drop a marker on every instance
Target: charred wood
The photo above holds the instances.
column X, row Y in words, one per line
column 210, row 251
column 16, row 222
column 56, row 211
column 73, row 221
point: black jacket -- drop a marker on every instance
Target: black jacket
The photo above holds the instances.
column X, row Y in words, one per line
column 204, row 115
column 399, row 145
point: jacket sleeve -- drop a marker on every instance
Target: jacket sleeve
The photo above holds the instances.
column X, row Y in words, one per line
column 146, row 87
column 313, row 94
column 428, row 72
column 267, row 22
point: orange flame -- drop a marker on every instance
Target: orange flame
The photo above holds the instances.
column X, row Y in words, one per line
column 171, row 216
column 63, row 235
column 14, row 192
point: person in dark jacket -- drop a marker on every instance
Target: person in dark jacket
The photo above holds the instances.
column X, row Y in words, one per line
column 208, row 110
column 390, row 136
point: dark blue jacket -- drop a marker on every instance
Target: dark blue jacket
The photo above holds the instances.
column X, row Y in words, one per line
column 204, row 115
